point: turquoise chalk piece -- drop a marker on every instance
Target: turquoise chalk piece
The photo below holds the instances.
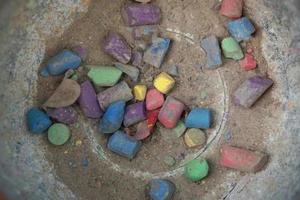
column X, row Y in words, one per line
column 123, row 145
column 241, row 29
column 60, row 63
column 37, row 121
column 160, row 189
column 112, row 118
column 199, row 118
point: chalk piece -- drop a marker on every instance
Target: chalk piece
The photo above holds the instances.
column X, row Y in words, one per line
column 131, row 71
column 156, row 53
column 115, row 45
column 139, row 92
column 164, row 83
column 211, row 46
column 81, row 51
column 241, row 29
column 231, row 49
column 104, row 75
column 112, row 118
column 179, row 129
column 242, row 159
column 120, row 91
column 134, row 113
column 152, row 117
column 169, row 161
column 248, row 63
column 170, row 112
column 196, row 170
column 137, row 14
column 194, row 138
column 142, row 131
column 66, row 115
column 160, row 189
column 58, row 134
column 251, row 90
column 232, row 8
column 37, row 121
column 137, row 58
column 199, row 118
column 123, row 145
column 173, row 70
column 154, row 99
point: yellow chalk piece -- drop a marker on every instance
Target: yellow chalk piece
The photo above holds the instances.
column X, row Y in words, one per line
column 164, row 82
column 78, row 143
column 139, row 92
column 194, row 137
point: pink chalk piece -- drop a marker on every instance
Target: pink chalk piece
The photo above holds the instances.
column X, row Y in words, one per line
column 170, row 112
column 242, row 159
column 154, row 99
column 142, row 131
column 232, row 8
column 248, row 63
column 115, row 45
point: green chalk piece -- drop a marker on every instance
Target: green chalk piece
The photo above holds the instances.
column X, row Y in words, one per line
column 169, row 161
column 104, row 75
column 195, row 170
column 232, row 49
column 58, row 134
column 74, row 77
column 179, row 129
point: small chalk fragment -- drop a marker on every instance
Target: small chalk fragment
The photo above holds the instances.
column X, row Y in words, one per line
column 194, row 138
column 134, row 113
column 88, row 101
column 136, row 14
column 131, row 71
column 104, row 75
column 251, row 90
column 37, row 121
column 179, row 129
column 115, row 45
column 169, row 161
column 232, row 8
column 199, row 118
column 211, row 46
column 160, row 189
column 170, row 112
column 152, row 117
column 142, row 131
column 248, row 63
column 242, row 159
column 164, row 83
column 60, row 63
column 139, row 92
column 241, row 29
column 137, row 58
column 58, row 134
column 66, row 115
column 123, row 145
column 231, row 49
column 144, row 32
column 112, row 118
column 154, row 99
column 81, row 51
column 156, row 53
column 196, row 170
column 120, row 91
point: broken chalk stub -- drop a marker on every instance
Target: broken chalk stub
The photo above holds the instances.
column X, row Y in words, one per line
column 152, row 117
column 164, row 82
column 179, row 129
column 134, row 113
column 123, row 145
column 242, row 159
column 37, row 121
column 211, row 46
column 142, row 131
column 115, row 45
column 199, row 118
column 137, row 14
column 131, row 71
column 160, row 189
column 156, row 53
column 104, row 76
column 196, row 170
column 251, row 89
column 154, row 99
column 232, row 8
column 66, row 115
column 231, row 49
column 139, row 92
column 241, row 29
column 194, row 138
column 137, row 58
column 120, row 91
column 248, row 63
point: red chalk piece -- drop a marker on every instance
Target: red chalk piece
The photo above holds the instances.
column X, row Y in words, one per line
column 154, row 99
column 248, row 63
column 242, row 159
column 152, row 117
column 170, row 112
column 232, row 8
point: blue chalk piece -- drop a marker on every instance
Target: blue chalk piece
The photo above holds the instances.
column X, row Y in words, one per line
column 37, row 121
column 199, row 118
column 160, row 189
column 112, row 118
column 241, row 29
column 60, row 63
column 123, row 145
column 85, row 162
column 212, row 48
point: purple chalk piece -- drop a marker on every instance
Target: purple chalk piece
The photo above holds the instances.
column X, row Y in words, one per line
column 115, row 45
column 251, row 90
column 134, row 113
column 66, row 115
column 137, row 14
column 81, row 51
column 137, row 58
column 88, row 101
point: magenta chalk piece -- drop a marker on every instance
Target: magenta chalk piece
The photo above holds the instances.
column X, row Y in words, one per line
column 115, row 45
column 250, row 91
column 134, row 113
column 170, row 112
column 136, row 14
column 66, row 115
column 88, row 101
